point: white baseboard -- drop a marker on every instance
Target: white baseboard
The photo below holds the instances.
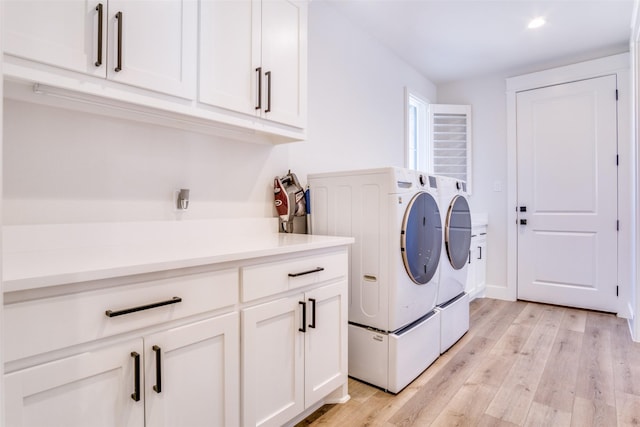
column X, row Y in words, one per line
column 499, row 292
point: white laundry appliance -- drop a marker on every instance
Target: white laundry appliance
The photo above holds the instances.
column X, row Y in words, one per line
column 394, row 217
column 452, row 301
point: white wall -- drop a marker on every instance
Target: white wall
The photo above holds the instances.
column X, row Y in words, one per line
column 2, row 404
column 487, row 95
column 356, row 98
column 634, row 48
column 63, row 166
column 488, row 105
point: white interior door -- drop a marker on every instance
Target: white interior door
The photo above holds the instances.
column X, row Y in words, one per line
column 567, row 182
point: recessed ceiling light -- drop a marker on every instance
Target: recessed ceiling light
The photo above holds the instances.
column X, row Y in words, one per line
column 537, row 22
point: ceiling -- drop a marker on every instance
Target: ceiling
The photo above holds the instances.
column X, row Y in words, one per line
column 449, row 40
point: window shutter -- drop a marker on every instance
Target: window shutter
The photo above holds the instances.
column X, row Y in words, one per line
column 450, row 141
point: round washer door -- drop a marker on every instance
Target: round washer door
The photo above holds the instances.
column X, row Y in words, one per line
column 457, row 232
column 421, row 238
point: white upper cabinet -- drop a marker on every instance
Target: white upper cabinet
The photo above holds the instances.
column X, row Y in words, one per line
column 253, row 58
column 227, row 78
column 284, row 61
column 64, row 34
column 153, row 45
column 190, row 64
column 144, row 43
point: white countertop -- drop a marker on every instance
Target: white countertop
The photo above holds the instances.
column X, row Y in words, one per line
column 37, row 256
column 479, row 219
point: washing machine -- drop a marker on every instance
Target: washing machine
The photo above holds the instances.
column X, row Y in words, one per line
column 394, row 217
column 452, row 301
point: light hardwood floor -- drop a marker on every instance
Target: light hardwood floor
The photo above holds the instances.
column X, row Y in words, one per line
column 520, row 364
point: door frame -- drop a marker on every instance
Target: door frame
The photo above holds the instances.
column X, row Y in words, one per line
column 618, row 65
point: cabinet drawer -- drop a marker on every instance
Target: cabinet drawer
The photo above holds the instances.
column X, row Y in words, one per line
column 279, row 276
column 46, row 324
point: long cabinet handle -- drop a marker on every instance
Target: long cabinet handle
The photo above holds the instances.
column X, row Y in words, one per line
column 304, row 316
column 100, row 8
column 119, row 64
column 268, row 76
column 158, row 387
column 111, row 313
column 136, row 376
column 315, row 270
column 480, row 249
column 313, row 313
column 259, row 81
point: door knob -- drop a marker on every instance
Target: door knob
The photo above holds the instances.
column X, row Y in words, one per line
column 523, row 222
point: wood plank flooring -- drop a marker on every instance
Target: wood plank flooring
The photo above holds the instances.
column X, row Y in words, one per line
column 520, row 364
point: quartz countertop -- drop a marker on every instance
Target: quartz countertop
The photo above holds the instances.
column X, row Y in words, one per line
column 36, row 256
column 479, row 219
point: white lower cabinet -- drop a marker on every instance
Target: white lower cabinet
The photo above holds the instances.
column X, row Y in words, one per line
column 192, row 374
column 294, row 353
column 257, row 343
column 188, row 375
column 477, row 268
column 92, row 388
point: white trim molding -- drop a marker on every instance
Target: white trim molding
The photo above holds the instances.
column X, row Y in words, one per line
column 634, row 49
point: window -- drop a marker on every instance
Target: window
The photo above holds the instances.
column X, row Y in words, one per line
column 417, row 132
column 438, row 138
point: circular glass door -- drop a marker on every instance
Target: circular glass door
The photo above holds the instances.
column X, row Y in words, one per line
column 421, row 238
column 457, row 234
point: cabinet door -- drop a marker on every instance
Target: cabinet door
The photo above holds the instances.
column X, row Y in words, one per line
column 229, row 54
column 158, row 42
column 325, row 341
column 60, row 33
column 472, row 263
column 481, row 263
column 94, row 388
column 284, row 61
column 192, row 374
column 273, row 362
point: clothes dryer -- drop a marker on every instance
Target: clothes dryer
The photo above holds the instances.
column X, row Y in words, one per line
column 452, row 301
column 394, row 217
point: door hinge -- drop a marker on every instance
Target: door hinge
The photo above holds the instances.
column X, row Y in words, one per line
column 617, row 159
column 616, row 94
column 618, row 225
